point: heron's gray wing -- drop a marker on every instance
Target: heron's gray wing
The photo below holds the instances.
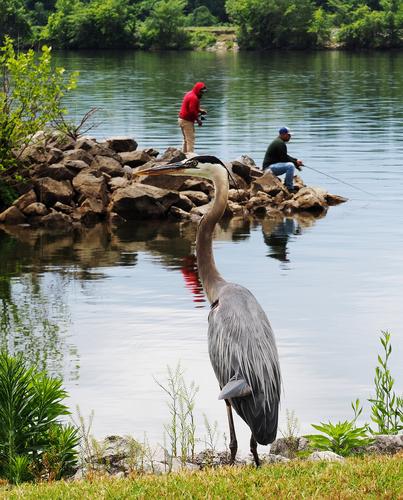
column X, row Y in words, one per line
column 235, row 389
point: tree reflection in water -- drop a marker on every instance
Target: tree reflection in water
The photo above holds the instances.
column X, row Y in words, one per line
column 37, row 267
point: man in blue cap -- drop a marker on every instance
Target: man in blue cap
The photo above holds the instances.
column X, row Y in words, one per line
column 279, row 162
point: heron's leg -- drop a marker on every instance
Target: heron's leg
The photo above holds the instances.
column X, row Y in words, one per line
column 233, row 443
column 253, row 450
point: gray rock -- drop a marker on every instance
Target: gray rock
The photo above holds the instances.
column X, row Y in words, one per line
column 26, row 199
column 172, row 155
column 388, row 444
column 184, row 203
column 307, row 199
column 135, row 158
column 75, row 165
column 271, row 458
column 238, row 195
column 242, row 170
column 54, row 155
column 36, row 210
column 12, row 215
column 171, row 182
column 78, row 154
column 91, row 184
column 122, row 144
column 57, row 171
column 268, row 183
column 142, row 201
column 325, row 456
column 108, row 165
column 49, row 191
column 61, row 207
column 197, row 197
column 334, row 199
column 192, row 184
column 178, row 213
column 117, row 183
column 56, row 220
column 247, row 160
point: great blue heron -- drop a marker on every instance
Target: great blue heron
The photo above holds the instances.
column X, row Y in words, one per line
column 240, row 339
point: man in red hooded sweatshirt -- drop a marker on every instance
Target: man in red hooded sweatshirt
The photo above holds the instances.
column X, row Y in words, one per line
column 190, row 112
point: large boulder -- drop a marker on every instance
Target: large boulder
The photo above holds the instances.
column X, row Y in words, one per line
column 122, row 144
column 170, row 182
column 50, row 191
column 135, row 158
column 268, row 183
column 197, row 197
column 55, row 220
column 36, row 210
column 109, row 165
column 57, row 171
column 172, row 155
column 307, row 199
column 78, row 154
column 12, row 215
column 91, row 183
column 142, row 201
column 26, row 199
column 242, row 170
column 194, row 184
column 75, row 165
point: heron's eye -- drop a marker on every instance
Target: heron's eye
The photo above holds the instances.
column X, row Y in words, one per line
column 192, row 163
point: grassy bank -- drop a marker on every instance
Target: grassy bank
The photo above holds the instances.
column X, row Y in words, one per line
column 369, row 477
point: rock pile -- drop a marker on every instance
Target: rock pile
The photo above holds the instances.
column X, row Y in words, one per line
column 85, row 181
column 120, row 456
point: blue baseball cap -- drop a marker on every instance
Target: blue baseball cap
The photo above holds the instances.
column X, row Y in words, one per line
column 284, row 130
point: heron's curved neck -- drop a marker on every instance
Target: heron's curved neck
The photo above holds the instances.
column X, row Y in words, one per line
column 209, row 275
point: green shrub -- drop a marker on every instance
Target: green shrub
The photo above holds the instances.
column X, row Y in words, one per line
column 202, row 39
column 33, row 442
column 266, row 24
column 341, row 438
column 163, row 26
column 93, row 25
column 30, row 98
column 386, row 408
column 201, row 16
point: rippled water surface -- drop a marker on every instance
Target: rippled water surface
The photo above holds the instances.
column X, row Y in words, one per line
column 110, row 309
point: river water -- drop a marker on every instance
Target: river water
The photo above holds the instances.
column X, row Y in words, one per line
column 109, row 310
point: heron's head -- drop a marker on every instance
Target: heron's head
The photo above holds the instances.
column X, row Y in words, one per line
column 197, row 166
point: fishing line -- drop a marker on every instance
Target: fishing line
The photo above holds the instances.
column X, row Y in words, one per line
column 336, row 179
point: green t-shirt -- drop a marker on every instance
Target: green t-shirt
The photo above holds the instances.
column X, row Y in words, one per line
column 277, row 153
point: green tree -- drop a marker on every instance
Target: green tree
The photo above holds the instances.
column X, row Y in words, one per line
column 30, row 98
column 14, row 20
column 97, row 24
column 201, row 16
column 163, row 28
column 265, row 24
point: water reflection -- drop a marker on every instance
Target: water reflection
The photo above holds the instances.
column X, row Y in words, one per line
column 278, row 232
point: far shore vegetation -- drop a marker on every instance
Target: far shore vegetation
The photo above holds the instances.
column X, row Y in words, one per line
column 180, row 24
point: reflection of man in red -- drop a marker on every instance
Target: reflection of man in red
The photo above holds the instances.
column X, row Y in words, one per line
column 191, row 277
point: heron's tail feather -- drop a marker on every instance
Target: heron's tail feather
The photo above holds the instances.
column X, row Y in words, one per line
column 235, row 389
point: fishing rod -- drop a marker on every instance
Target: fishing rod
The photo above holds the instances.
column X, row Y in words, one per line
column 336, row 179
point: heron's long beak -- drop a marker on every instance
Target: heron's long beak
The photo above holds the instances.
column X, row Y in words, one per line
column 169, row 168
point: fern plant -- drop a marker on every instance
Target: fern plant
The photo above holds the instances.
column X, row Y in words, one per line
column 34, row 444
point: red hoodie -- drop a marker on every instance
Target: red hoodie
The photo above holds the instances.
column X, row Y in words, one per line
column 191, row 103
